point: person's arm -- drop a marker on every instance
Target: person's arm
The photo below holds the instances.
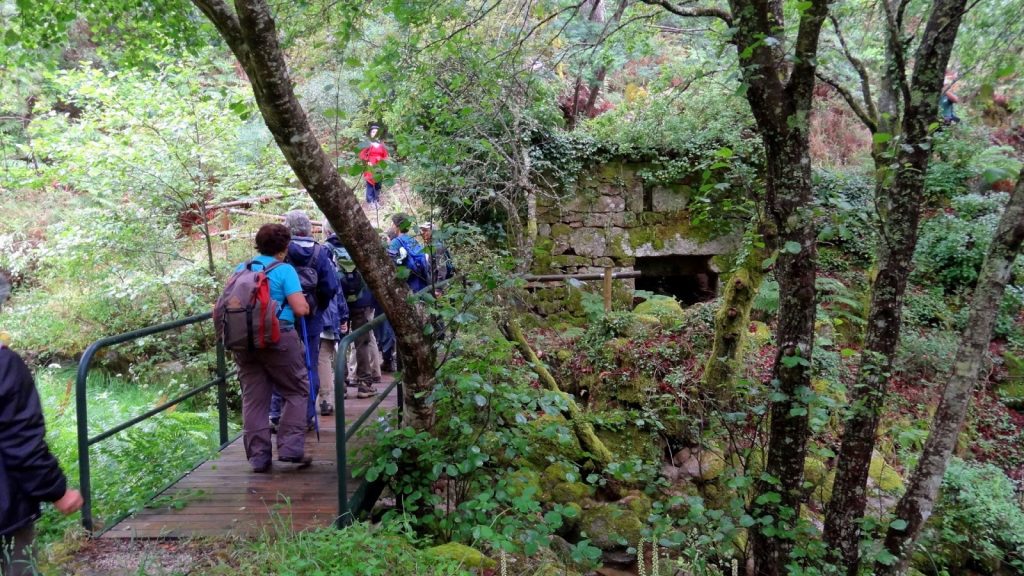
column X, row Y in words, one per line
column 298, row 304
column 293, row 290
column 27, row 460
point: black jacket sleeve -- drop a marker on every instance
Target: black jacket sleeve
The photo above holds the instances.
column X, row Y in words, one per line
column 327, row 277
column 31, row 470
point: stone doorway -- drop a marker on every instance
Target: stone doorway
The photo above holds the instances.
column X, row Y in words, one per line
column 689, row 279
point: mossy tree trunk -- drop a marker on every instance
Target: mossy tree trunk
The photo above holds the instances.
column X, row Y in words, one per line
column 915, row 507
column 731, row 322
column 584, row 430
column 902, row 123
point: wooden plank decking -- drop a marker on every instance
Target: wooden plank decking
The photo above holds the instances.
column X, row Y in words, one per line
column 223, row 497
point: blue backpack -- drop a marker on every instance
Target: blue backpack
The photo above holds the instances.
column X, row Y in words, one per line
column 416, row 259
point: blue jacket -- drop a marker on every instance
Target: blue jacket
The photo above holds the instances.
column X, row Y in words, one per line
column 300, row 250
column 335, row 314
column 29, row 474
column 366, row 299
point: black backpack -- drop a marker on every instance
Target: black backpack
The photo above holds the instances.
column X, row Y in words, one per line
column 309, row 278
column 352, row 283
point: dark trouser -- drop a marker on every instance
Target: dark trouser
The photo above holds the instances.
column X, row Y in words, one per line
column 282, row 369
column 372, row 193
column 16, row 553
column 385, row 340
column 314, row 326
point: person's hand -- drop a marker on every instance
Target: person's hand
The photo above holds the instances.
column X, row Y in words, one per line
column 69, row 503
column 343, row 327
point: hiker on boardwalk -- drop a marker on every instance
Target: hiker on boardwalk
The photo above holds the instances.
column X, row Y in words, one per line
column 407, row 253
column 335, row 326
column 281, row 368
column 373, row 154
column 29, row 474
column 319, row 280
column 361, row 306
column 440, row 259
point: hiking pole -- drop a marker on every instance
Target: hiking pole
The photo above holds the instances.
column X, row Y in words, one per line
column 309, row 372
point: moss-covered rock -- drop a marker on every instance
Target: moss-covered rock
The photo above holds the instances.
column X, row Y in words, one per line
column 551, row 440
column 558, row 473
column 886, row 477
column 630, row 441
column 666, row 309
column 465, row 555
column 610, row 526
column 521, row 481
column 820, row 478
column 638, row 502
column 566, row 492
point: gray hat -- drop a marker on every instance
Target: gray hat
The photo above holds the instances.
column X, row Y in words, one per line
column 298, row 223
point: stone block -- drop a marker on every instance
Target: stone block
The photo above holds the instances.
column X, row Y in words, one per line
column 605, row 219
column 610, row 204
column 588, row 242
column 666, row 199
column 543, row 229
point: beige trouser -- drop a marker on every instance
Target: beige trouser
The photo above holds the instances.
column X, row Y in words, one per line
column 325, row 368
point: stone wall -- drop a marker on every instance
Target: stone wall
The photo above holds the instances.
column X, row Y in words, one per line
column 612, row 218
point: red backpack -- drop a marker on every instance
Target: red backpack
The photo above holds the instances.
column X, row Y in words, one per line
column 245, row 315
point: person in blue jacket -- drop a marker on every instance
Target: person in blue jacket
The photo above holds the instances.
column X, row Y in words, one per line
column 335, row 321
column 304, row 251
column 29, row 474
column 361, row 305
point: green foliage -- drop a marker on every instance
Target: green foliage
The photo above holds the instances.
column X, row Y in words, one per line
column 847, row 201
column 927, row 354
column 951, row 249
column 977, row 520
column 132, row 466
column 364, row 549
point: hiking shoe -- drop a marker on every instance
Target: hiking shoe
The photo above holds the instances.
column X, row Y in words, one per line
column 261, row 469
column 302, row 461
column 350, row 384
column 326, row 408
column 366, row 392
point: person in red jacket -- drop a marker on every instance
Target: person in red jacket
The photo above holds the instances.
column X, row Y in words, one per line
column 29, row 474
column 373, row 154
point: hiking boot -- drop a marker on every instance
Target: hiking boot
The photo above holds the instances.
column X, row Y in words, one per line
column 366, row 391
column 261, row 469
column 302, row 461
column 350, row 384
column 326, row 408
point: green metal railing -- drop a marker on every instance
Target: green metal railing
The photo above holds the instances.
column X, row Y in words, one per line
column 84, row 441
column 359, row 500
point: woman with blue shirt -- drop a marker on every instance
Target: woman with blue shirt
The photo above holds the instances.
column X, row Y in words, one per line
column 282, row 367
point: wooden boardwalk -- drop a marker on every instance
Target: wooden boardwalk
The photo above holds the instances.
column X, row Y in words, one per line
column 223, row 497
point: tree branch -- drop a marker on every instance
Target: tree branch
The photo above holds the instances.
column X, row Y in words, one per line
column 867, row 118
column 894, row 28
column 225, row 20
column 862, row 71
column 801, row 81
column 692, row 11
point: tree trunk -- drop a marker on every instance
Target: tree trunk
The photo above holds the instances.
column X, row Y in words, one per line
column 900, row 208
column 732, row 320
column 251, row 33
column 915, row 506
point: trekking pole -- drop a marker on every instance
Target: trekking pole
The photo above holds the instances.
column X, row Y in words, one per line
column 309, row 374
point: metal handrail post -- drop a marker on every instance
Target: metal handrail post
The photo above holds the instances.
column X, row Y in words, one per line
column 222, row 393
column 340, row 376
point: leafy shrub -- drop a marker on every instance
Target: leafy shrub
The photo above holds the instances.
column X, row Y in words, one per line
column 925, row 353
column 927, row 309
column 850, row 225
column 977, row 521
column 950, row 250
